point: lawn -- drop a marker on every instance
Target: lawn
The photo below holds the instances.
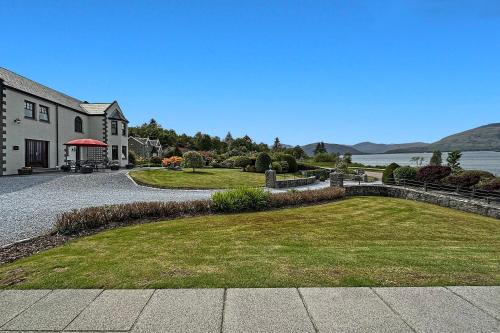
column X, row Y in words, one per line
column 364, row 241
column 206, row 178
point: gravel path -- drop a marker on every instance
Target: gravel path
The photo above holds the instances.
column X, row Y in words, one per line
column 29, row 205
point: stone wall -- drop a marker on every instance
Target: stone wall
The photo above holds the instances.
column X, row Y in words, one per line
column 466, row 205
column 271, row 181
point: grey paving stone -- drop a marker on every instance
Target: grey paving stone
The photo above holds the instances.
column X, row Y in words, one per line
column 486, row 298
column 13, row 302
column 265, row 310
column 53, row 312
column 436, row 309
column 113, row 310
column 350, row 310
column 182, row 310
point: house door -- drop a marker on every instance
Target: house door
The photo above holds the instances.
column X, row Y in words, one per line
column 37, row 154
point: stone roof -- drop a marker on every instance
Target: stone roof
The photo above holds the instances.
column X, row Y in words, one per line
column 24, row 84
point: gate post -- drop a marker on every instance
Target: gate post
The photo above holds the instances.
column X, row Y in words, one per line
column 336, row 179
column 271, row 178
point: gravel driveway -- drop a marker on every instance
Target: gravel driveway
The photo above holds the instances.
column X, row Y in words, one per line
column 29, row 205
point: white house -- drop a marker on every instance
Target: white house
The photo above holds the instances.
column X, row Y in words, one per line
column 36, row 121
column 145, row 147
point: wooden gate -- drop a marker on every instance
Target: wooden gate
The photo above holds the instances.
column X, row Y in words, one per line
column 37, row 153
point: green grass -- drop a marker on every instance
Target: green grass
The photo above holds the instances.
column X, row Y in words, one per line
column 364, row 241
column 206, row 178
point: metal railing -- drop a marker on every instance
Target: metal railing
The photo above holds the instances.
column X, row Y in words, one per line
column 468, row 193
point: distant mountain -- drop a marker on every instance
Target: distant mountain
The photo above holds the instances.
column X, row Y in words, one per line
column 380, row 148
column 332, row 148
column 485, row 137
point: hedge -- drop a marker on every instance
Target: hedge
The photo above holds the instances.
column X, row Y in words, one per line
column 94, row 218
column 262, row 162
column 388, row 174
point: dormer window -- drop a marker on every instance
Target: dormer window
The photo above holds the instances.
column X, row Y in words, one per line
column 114, row 127
column 78, row 125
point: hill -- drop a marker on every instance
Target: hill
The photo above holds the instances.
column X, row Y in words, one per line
column 485, row 137
column 380, row 148
column 332, row 148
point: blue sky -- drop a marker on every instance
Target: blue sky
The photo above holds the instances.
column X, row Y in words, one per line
column 336, row 71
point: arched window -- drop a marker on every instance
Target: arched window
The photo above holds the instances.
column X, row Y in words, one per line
column 78, row 125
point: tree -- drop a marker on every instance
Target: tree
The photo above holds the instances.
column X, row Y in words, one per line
column 347, row 158
column 320, row 148
column 436, row 158
column 192, row 159
column 417, row 159
column 229, row 138
column 262, row 162
column 298, row 152
column 203, row 141
column 453, row 160
column 277, row 144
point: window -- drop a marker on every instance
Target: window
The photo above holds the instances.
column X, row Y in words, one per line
column 124, row 129
column 29, row 110
column 78, row 125
column 114, row 127
column 114, row 152
column 124, row 152
column 44, row 113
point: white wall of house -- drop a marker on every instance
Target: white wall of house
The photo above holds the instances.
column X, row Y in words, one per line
column 17, row 133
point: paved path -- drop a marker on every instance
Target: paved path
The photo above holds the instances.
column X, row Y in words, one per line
column 432, row 309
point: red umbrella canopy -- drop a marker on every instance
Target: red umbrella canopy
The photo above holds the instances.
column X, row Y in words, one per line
column 86, row 143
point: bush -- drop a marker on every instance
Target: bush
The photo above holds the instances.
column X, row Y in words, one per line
column 492, row 184
column 155, row 160
column 304, row 166
column 292, row 162
column 192, row 159
column 132, row 157
column 262, row 162
column 325, row 157
column 250, row 168
column 462, row 180
column 406, row 173
column 433, row 173
column 172, row 162
column 240, row 199
column 92, row 218
column 294, row 198
column 241, row 161
column 276, row 166
column 388, row 174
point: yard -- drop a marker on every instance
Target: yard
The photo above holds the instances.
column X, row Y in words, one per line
column 206, row 178
column 363, row 241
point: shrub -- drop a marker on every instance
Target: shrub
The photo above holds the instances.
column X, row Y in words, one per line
column 320, row 174
column 155, row 160
column 276, row 166
column 241, row 161
column 405, row 172
column 192, row 159
column 262, row 162
column 304, row 166
column 250, row 168
column 78, row 220
column 325, row 157
column 292, row 162
column 295, row 198
column 132, row 157
column 463, row 180
column 240, row 199
column 171, row 162
column 388, row 174
column 492, row 184
column 437, row 158
column 433, row 173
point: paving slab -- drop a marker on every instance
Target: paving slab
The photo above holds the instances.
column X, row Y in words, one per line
column 486, row 298
column 13, row 302
column 350, row 310
column 55, row 311
column 113, row 310
column 436, row 309
column 265, row 310
column 182, row 310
